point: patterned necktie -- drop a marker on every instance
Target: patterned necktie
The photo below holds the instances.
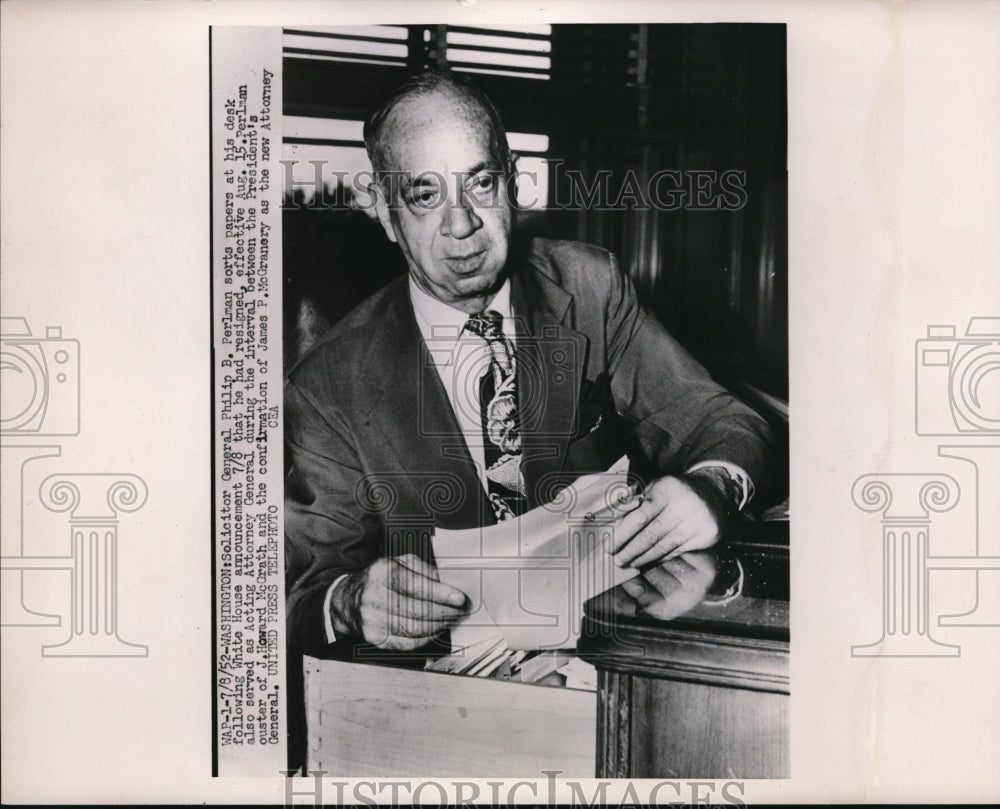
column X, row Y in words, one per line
column 498, row 411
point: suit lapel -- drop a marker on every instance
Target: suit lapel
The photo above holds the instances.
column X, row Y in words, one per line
column 412, row 418
column 551, row 362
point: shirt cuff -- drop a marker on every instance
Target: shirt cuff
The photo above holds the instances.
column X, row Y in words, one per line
column 736, row 474
column 331, row 636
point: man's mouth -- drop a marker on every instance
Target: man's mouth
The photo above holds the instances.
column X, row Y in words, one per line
column 465, row 261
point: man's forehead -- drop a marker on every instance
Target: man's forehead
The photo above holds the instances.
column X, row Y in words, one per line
column 440, row 103
column 433, row 125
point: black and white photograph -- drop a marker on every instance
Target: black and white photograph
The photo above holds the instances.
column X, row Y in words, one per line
column 492, row 402
column 513, row 256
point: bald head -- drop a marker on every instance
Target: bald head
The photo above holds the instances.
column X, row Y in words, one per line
column 443, row 191
column 432, row 99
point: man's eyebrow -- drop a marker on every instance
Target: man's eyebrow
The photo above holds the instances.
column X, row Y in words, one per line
column 423, row 179
column 432, row 178
column 478, row 167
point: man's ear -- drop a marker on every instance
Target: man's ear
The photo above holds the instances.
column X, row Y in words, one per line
column 382, row 209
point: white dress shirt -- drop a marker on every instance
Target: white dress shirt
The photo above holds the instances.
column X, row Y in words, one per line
column 461, row 358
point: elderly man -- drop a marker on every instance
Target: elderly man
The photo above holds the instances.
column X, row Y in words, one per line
column 494, row 371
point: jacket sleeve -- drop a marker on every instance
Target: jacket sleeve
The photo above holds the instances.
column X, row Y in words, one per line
column 327, row 533
column 680, row 415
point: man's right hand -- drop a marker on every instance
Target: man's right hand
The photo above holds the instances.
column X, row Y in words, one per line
column 396, row 603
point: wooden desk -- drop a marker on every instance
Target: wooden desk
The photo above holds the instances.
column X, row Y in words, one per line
column 692, row 663
column 386, row 721
column 694, row 690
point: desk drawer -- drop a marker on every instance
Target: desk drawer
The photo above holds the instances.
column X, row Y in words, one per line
column 366, row 720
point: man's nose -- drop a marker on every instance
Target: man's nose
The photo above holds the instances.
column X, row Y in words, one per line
column 460, row 219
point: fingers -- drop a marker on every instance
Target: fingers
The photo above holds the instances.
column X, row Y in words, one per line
column 671, row 520
column 412, row 576
column 404, row 605
column 640, row 530
column 660, row 532
column 418, row 565
column 400, row 643
column 663, row 578
column 644, row 592
column 701, row 563
column 634, row 521
column 663, row 548
column 654, row 516
column 411, row 605
column 635, row 587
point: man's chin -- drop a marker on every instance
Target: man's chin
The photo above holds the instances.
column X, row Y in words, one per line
column 476, row 285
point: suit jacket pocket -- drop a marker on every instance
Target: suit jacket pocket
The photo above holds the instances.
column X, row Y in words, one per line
column 596, row 406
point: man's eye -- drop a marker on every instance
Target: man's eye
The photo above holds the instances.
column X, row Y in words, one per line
column 482, row 185
column 422, row 197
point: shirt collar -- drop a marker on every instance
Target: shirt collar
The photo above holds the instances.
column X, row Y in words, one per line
column 439, row 321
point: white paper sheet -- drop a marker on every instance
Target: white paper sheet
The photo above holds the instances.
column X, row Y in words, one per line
column 528, row 578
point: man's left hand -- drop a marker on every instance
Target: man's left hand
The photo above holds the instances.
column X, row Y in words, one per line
column 674, row 516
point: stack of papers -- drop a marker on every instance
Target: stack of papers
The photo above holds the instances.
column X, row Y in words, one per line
column 490, row 657
column 528, row 578
column 579, row 674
